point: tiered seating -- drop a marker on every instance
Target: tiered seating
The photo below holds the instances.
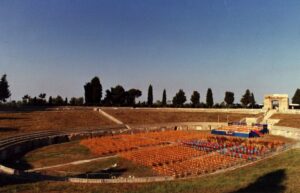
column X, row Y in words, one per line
column 162, row 155
column 182, row 153
column 235, row 147
column 127, row 142
column 212, row 143
column 113, row 145
column 175, row 136
column 198, row 166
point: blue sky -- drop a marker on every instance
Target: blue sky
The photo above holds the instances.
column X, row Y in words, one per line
column 55, row 46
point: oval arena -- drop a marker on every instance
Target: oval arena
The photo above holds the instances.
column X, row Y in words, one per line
column 129, row 151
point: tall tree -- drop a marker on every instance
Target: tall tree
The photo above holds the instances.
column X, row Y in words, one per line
column 246, row 98
column 50, row 101
column 195, row 99
column 93, row 92
column 107, row 101
column 229, row 98
column 179, row 99
column 4, row 89
column 209, row 98
column 118, row 95
column 34, row 101
column 58, row 100
column 252, row 100
column 66, row 101
column 96, row 91
column 73, row 101
column 76, row 101
column 88, row 93
column 164, row 98
column 296, row 97
column 150, row 96
column 79, row 101
column 131, row 95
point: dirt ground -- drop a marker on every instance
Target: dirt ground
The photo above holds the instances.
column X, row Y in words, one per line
column 288, row 120
column 21, row 122
column 146, row 116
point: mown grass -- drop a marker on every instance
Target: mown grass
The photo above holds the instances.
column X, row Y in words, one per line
column 277, row 174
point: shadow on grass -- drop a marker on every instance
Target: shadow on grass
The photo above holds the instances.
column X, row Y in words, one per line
column 270, row 182
column 23, row 177
column 103, row 174
column 19, row 163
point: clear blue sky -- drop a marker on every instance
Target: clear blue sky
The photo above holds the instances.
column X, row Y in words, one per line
column 55, row 46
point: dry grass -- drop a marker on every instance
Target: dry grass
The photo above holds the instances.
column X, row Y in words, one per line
column 21, row 122
column 288, row 120
column 152, row 116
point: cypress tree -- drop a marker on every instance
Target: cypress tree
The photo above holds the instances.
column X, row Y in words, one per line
column 252, row 100
column 96, row 91
column 296, row 97
column 164, row 98
column 195, row 99
column 209, row 98
column 66, row 101
column 88, row 93
column 4, row 89
column 150, row 96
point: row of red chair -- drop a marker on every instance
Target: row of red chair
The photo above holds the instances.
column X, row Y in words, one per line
column 128, row 142
column 162, row 155
column 182, row 153
column 113, row 145
column 198, row 166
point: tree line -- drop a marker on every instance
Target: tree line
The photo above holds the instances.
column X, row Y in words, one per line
column 118, row 96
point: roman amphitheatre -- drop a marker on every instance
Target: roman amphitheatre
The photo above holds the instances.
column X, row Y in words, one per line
column 106, row 149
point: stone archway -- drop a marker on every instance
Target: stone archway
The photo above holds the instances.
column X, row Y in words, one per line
column 279, row 102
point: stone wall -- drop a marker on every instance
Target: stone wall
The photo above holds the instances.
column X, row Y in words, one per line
column 205, row 110
column 21, row 146
column 122, row 180
column 180, row 126
column 289, row 132
column 13, row 147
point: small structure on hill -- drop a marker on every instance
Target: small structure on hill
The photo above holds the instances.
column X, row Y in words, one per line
column 279, row 102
